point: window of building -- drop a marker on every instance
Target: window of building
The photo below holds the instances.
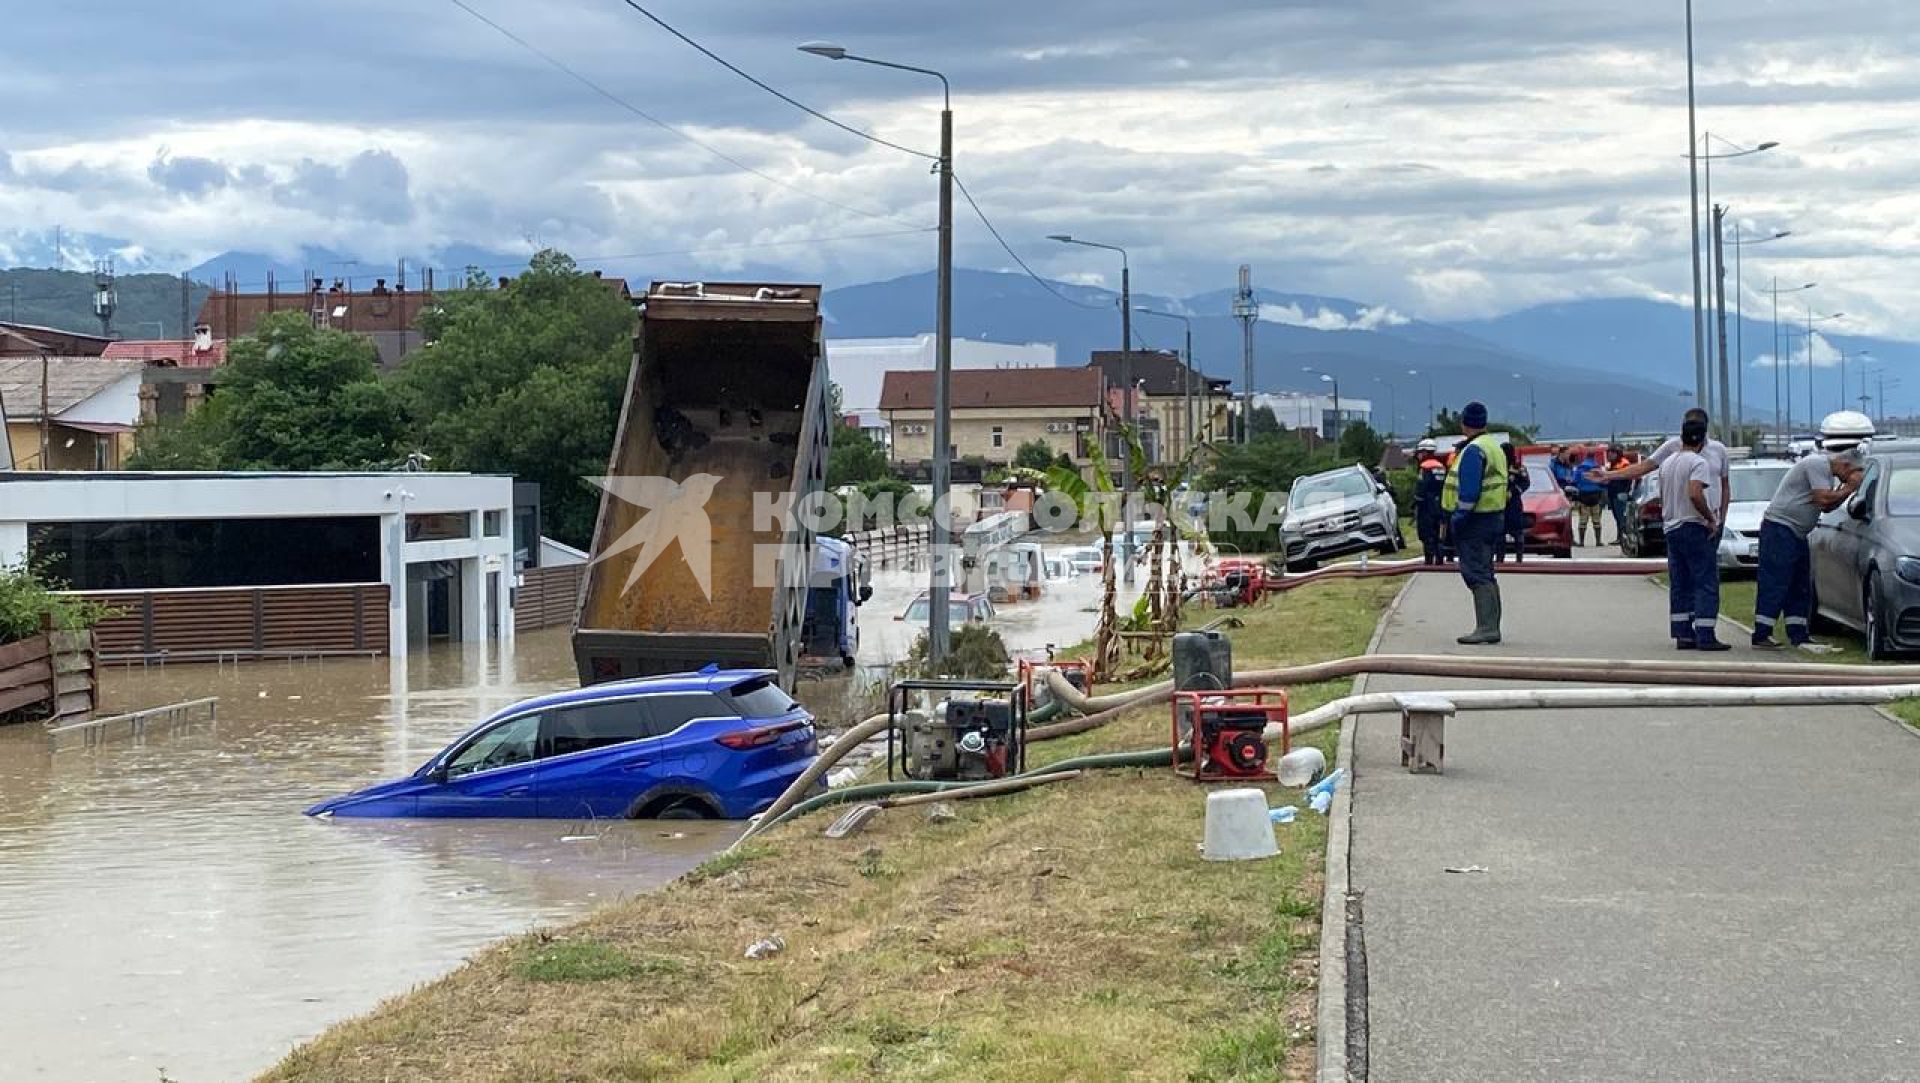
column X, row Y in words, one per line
column 440, row 526
column 999, row 437
column 154, row 555
column 491, row 524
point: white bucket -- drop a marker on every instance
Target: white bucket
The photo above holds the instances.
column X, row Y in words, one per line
column 1301, row 766
column 1237, row 826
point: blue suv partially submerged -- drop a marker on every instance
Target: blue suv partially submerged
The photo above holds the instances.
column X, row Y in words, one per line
column 717, row 743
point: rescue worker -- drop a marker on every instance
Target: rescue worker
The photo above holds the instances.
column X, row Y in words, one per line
column 1786, row 571
column 1474, row 498
column 1690, row 507
column 1618, row 489
column 1432, row 479
column 1715, row 453
column 1589, row 495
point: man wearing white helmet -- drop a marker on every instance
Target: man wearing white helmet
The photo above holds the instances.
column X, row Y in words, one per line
column 1426, row 499
column 1808, row 491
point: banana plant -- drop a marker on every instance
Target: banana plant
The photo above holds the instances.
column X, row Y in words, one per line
column 1096, row 505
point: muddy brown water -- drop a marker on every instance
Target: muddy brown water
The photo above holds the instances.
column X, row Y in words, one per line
column 165, row 906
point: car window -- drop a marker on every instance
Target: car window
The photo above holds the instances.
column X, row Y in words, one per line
column 1754, row 484
column 669, row 712
column 594, row 725
column 1869, row 486
column 1310, row 491
column 504, row 745
column 1540, row 479
column 1903, row 491
column 760, row 698
column 918, row 610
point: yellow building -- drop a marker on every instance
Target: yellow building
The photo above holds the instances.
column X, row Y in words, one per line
column 994, row 411
column 1178, row 406
column 90, row 407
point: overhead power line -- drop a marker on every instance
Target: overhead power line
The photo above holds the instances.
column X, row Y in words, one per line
column 797, row 104
column 985, row 221
column 616, row 99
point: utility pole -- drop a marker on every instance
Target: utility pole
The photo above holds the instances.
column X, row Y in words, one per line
column 105, row 297
column 1727, row 424
column 1246, row 310
column 1693, row 183
column 46, row 431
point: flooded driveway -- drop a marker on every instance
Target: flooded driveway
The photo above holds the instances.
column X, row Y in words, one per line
column 164, row 905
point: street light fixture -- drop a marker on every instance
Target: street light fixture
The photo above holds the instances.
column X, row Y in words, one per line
column 1781, row 423
column 1431, row 416
column 1812, row 421
column 1740, row 319
column 940, row 537
column 1697, row 152
column 1186, row 381
column 1533, row 419
column 1126, row 389
column 1860, row 355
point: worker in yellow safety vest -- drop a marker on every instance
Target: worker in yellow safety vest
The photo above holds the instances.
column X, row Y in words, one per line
column 1475, row 502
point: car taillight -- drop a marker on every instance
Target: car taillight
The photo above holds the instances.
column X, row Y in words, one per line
column 759, row 735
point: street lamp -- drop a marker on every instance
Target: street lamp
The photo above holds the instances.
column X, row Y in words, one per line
column 1533, row 420
column 1861, row 355
column 1779, row 427
column 1393, row 406
column 940, row 538
column 1701, row 151
column 1186, row 380
column 1431, row 416
column 1126, row 389
column 1812, row 422
column 1740, row 319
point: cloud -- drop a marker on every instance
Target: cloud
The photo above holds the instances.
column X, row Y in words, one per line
column 1368, row 318
column 188, row 176
column 372, row 184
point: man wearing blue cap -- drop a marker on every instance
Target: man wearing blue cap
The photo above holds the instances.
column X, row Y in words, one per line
column 1475, row 501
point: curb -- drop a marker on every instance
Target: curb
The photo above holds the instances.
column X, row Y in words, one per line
column 1336, row 1005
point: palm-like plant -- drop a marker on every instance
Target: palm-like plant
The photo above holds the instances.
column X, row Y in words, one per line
column 1091, row 500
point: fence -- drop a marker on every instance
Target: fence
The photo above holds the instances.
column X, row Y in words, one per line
column 134, row 724
column 241, row 622
column 49, row 676
column 892, row 547
column 547, row 597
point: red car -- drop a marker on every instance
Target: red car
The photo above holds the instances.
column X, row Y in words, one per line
column 1549, row 512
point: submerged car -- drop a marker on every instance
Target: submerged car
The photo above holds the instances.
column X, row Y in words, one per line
column 1750, row 488
column 1338, row 512
column 720, row 743
column 962, row 608
column 1866, row 558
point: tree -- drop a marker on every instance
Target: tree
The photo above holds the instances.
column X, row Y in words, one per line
column 1447, row 423
column 291, row 397
column 854, row 457
column 1359, row 443
column 527, row 380
column 1263, row 422
column 1034, row 455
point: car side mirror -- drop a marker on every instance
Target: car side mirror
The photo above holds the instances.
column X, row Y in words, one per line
column 1858, row 508
column 866, row 594
column 438, row 774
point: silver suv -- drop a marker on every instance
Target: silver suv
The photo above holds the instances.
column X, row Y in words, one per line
column 1335, row 513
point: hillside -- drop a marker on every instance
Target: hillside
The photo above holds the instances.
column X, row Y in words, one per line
column 150, row 304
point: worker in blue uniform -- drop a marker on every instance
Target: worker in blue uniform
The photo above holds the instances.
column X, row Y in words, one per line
column 1474, row 498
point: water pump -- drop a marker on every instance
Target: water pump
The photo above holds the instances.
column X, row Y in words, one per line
column 956, row 731
column 1220, row 736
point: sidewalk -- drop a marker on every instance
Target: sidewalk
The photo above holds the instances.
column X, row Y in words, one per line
column 1702, row 895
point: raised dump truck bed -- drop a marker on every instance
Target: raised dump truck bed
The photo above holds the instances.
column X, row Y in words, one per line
column 729, row 390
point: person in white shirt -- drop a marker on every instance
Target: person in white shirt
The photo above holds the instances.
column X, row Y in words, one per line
column 1690, row 505
column 1715, row 453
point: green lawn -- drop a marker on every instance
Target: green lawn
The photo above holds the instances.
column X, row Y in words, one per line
column 1736, row 603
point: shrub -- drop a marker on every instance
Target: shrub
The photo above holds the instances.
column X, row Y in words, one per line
column 28, row 605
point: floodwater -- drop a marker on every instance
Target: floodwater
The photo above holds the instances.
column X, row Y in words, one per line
column 164, row 906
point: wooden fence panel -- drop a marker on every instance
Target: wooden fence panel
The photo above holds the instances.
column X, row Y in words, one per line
column 547, row 597
column 49, row 677
column 243, row 621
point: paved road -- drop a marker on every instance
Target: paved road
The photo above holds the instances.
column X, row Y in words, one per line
column 1708, row 895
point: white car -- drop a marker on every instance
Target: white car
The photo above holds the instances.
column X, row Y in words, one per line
column 1751, row 484
column 1083, row 558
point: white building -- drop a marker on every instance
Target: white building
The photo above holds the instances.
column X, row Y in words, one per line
column 859, row 365
column 1294, row 410
column 259, row 552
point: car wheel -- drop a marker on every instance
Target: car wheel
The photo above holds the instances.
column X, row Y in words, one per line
column 1302, row 565
column 1630, row 543
column 1873, row 605
column 685, row 810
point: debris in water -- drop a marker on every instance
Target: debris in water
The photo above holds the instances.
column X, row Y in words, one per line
column 1466, row 868
column 673, row 834
column 578, row 838
column 766, row 949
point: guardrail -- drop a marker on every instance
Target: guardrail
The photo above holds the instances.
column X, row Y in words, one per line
column 134, row 724
column 892, row 547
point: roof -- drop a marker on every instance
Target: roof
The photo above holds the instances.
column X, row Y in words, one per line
column 717, row 681
column 167, row 349
column 978, row 389
column 1158, row 372
column 57, row 339
column 70, row 382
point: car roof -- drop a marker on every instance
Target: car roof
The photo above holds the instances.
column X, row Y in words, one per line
column 717, row 681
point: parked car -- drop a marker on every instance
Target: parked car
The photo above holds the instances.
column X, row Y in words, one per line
column 1750, row 487
column 1866, row 558
column 1337, row 512
column 1084, row 558
column 717, row 743
column 962, row 608
column 1646, row 534
column 1549, row 512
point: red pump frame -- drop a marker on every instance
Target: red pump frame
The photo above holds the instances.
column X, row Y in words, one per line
column 1270, row 701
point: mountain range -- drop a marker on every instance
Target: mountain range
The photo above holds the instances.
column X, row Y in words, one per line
column 1574, row 368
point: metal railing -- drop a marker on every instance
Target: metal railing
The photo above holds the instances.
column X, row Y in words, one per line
column 134, row 724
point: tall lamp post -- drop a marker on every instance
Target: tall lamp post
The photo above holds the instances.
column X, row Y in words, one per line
column 1812, row 418
column 940, row 538
column 1781, row 423
column 1858, row 355
column 1393, row 406
column 1186, row 382
column 1740, row 319
column 1431, row 416
column 1126, row 393
column 1701, row 151
column 1533, row 408
column 1328, row 378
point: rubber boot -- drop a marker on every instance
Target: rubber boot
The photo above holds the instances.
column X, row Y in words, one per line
column 1486, row 616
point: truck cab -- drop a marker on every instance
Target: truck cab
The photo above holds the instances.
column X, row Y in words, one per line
column 839, row 582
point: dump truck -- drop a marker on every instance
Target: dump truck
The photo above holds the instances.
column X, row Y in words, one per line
column 727, row 396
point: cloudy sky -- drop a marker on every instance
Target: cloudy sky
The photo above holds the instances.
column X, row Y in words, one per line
column 1447, row 158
